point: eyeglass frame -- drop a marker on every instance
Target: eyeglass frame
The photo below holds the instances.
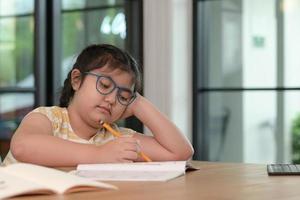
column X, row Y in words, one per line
column 115, row 87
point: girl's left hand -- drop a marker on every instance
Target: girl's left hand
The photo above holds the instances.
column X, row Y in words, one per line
column 130, row 108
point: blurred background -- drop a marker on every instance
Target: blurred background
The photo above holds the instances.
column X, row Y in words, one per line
column 226, row 72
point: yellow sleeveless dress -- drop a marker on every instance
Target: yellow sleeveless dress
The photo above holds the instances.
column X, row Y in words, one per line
column 61, row 128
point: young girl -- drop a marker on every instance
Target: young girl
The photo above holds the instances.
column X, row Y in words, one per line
column 101, row 87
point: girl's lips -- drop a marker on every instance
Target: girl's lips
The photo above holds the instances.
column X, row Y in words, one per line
column 104, row 109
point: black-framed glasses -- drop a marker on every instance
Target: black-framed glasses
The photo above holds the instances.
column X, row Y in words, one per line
column 106, row 85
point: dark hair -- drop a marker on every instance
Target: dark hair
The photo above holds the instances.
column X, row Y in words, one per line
column 96, row 56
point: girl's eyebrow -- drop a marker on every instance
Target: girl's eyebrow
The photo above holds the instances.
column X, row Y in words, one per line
column 119, row 86
column 126, row 88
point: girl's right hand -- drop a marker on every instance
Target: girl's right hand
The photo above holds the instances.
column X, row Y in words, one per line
column 130, row 108
column 121, row 149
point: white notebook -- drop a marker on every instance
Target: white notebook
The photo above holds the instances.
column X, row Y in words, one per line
column 139, row 171
column 23, row 178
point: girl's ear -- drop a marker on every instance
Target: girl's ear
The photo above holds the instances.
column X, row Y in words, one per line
column 75, row 79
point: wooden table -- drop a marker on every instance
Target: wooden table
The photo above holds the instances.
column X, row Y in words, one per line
column 212, row 181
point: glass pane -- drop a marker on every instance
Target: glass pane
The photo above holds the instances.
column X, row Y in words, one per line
column 16, row 51
column 239, row 43
column 291, row 43
column 71, row 4
column 241, row 126
column 16, row 7
column 12, row 111
column 83, row 28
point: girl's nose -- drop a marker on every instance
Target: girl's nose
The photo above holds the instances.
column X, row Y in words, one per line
column 111, row 97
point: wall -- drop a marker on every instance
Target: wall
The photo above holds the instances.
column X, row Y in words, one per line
column 168, row 59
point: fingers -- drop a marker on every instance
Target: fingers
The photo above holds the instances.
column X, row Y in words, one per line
column 125, row 148
column 132, row 145
column 127, row 156
column 130, row 155
column 130, row 148
column 138, row 146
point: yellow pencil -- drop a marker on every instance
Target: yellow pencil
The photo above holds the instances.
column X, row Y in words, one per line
column 117, row 134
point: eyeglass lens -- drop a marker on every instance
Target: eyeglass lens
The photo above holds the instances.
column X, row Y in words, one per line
column 105, row 85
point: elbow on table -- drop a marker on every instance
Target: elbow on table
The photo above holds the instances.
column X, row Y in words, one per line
column 189, row 153
column 185, row 155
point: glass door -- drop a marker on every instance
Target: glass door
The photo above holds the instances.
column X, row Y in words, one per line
column 246, row 87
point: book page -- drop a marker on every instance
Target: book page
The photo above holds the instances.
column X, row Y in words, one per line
column 12, row 186
column 58, row 181
column 139, row 171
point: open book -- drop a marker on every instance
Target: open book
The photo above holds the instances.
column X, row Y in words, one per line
column 139, row 171
column 22, row 178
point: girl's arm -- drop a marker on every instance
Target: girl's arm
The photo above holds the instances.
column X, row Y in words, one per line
column 167, row 143
column 33, row 142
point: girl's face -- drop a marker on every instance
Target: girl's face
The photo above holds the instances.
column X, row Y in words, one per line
column 101, row 101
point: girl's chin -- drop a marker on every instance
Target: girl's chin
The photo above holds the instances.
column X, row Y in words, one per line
column 104, row 118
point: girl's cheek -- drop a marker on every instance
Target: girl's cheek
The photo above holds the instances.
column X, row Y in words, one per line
column 117, row 113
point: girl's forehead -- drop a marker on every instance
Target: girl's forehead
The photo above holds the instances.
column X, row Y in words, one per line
column 121, row 77
column 109, row 70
